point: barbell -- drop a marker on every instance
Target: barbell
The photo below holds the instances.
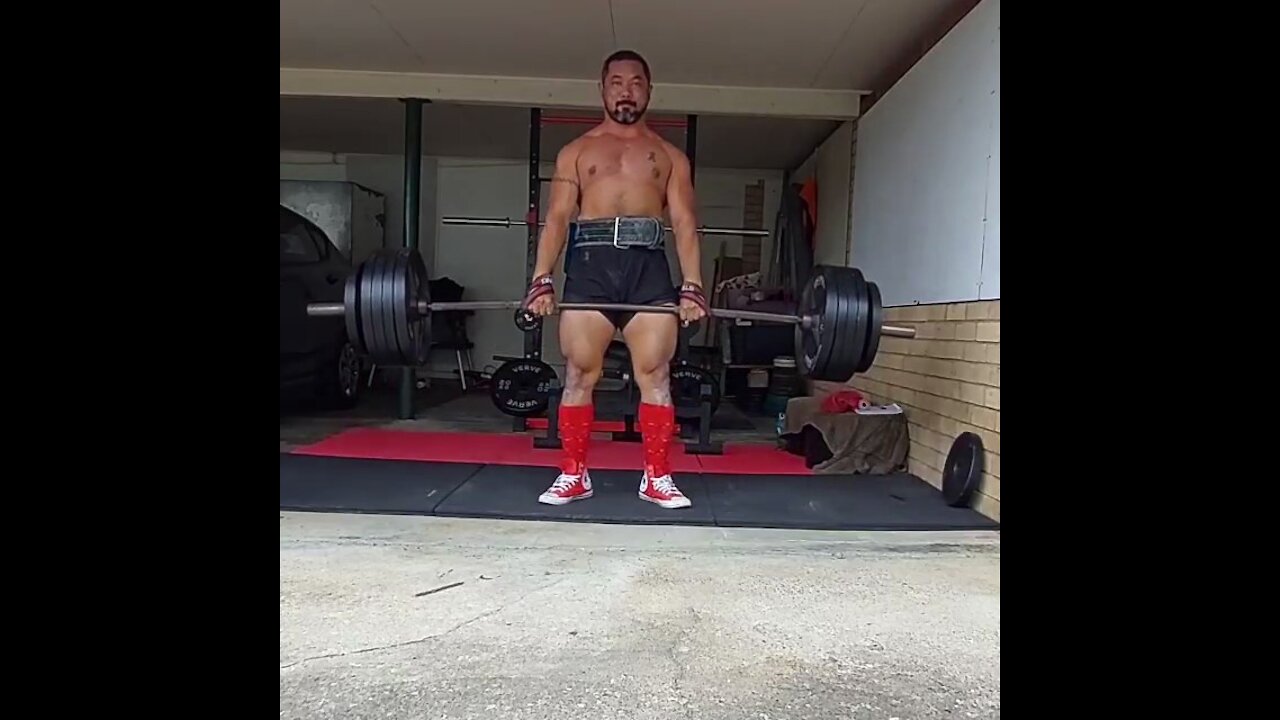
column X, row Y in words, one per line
column 508, row 222
column 387, row 308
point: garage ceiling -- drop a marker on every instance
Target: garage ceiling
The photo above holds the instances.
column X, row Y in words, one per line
column 816, row 44
column 834, row 44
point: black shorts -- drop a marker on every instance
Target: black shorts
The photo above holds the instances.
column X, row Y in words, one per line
column 622, row 275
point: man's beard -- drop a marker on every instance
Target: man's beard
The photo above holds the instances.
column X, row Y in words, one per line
column 626, row 113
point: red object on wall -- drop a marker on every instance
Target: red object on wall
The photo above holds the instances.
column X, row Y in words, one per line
column 809, row 193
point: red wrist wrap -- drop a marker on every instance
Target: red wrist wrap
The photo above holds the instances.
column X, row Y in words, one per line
column 541, row 285
column 691, row 291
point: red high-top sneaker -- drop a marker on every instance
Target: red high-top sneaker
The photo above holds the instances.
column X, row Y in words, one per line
column 662, row 491
column 567, row 488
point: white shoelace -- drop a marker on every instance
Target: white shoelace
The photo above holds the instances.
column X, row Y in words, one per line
column 562, row 483
column 665, row 484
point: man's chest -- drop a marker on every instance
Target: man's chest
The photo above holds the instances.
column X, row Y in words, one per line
column 636, row 159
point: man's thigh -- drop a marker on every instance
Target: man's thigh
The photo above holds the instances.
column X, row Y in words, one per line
column 651, row 339
column 584, row 337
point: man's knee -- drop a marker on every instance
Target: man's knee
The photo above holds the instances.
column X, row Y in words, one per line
column 654, row 383
column 579, row 383
column 652, row 374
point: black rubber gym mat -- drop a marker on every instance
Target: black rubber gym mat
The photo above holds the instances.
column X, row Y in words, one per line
column 512, row 492
column 828, row 502
column 818, row 502
column 337, row 484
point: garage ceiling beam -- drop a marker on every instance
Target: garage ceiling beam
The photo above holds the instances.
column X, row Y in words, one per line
column 800, row 103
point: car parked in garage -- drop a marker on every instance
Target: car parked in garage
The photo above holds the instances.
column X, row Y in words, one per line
column 318, row 362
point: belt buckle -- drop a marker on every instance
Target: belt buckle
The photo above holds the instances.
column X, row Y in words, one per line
column 616, row 222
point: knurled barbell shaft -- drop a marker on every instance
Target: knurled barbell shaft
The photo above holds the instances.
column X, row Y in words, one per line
column 338, row 309
column 508, row 222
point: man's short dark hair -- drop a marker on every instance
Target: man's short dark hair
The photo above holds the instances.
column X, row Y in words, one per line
column 625, row 55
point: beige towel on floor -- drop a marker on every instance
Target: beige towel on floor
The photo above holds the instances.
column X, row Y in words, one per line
column 869, row 444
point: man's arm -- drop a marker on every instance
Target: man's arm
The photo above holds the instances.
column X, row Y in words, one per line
column 684, row 220
column 560, row 208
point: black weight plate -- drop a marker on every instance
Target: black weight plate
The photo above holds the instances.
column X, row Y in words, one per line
column 420, row 291
column 686, row 383
column 351, row 309
column 370, row 323
column 383, row 311
column 814, row 344
column 527, row 321
column 840, row 318
column 874, row 323
column 804, row 335
column 840, row 360
column 963, row 470
column 402, row 326
column 522, row 388
column 855, row 333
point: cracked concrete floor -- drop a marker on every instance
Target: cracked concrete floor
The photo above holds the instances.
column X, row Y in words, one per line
column 414, row 617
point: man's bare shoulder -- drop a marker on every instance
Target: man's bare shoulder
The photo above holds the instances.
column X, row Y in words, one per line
column 574, row 147
column 676, row 155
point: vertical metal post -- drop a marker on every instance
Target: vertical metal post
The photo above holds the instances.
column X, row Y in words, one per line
column 691, row 152
column 691, row 142
column 412, row 202
column 532, row 339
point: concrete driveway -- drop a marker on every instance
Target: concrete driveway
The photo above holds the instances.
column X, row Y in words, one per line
column 416, row 617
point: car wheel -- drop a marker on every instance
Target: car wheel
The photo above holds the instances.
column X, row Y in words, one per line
column 341, row 378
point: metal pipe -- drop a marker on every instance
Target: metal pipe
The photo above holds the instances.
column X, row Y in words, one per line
column 691, row 143
column 508, row 222
column 338, row 309
column 412, row 204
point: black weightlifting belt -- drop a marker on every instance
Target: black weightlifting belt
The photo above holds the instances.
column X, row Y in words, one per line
column 644, row 233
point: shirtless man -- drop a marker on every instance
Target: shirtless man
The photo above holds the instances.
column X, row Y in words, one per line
column 620, row 177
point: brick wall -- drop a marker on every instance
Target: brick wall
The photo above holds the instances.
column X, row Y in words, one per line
column 947, row 380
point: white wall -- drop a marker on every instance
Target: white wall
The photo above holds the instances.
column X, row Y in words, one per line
column 831, row 166
column 926, row 198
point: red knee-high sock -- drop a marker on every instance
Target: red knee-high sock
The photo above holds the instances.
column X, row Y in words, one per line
column 575, row 432
column 657, row 425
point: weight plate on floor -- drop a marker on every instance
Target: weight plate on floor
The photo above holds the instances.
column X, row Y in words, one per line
column 874, row 323
column 522, row 388
column 963, row 470
column 687, row 382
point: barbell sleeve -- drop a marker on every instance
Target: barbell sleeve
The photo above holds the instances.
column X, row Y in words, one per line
column 897, row 331
column 338, row 309
column 326, row 309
